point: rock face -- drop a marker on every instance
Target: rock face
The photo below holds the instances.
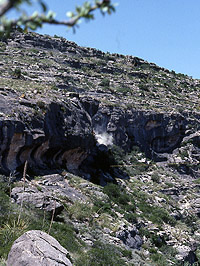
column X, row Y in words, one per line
column 72, row 113
column 187, row 254
column 47, row 193
column 37, row 248
column 67, row 133
column 62, row 137
column 130, row 238
column 73, row 98
column 155, row 133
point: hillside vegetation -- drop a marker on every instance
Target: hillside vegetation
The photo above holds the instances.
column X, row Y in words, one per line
column 112, row 145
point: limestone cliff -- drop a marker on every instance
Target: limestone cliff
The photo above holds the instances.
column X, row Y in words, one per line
column 76, row 113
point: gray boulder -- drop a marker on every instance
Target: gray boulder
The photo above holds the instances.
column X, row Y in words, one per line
column 47, row 193
column 130, row 237
column 37, row 248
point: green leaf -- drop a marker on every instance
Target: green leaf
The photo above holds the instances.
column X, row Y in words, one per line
column 51, row 15
column 78, row 9
column 70, row 14
column 31, row 25
column 43, row 5
column 105, row 9
column 34, row 15
column 87, row 5
column 44, row 8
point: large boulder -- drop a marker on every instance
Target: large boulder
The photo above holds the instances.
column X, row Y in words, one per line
column 37, row 248
column 46, row 193
column 130, row 237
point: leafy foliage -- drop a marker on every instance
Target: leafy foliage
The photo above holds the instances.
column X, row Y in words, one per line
column 101, row 254
column 105, row 83
column 9, row 232
column 17, row 72
column 120, row 197
column 37, row 20
column 79, row 211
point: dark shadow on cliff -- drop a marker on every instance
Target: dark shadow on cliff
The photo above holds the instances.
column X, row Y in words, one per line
column 99, row 168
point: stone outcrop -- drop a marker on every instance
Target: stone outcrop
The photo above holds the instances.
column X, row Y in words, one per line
column 130, row 237
column 37, row 248
column 61, row 138
column 66, row 134
column 47, row 193
column 73, row 112
column 154, row 133
column 88, row 98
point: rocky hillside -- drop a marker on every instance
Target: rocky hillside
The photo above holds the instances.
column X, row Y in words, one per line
column 101, row 151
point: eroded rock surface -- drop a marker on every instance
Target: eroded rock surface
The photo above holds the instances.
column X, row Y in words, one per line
column 37, row 248
column 73, row 97
column 130, row 237
column 47, row 194
column 62, row 137
column 107, row 118
column 67, row 134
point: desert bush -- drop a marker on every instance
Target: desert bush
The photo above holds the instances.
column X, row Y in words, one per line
column 105, row 83
column 80, row 211
column 9, row 232
column 124, row 90
column 156, row 214
column 131, row 217
column 112, row 190
column 101, row 207
column 119, row 196
column 155, row 178
column 101, row 254
column 17, row 72
column 2, row 47
column 159, row 259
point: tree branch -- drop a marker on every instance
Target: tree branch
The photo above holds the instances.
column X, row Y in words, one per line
column 37, row 20
column 7, row 6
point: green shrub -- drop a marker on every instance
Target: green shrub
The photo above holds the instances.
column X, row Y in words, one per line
column 112, row 190
column 131, row 207
column 66, row 236
column 101, row 254
column 117, row 195
column 117, row 154
column 125, row 202
column 101, row 207
column 144, row 87
column 170, row 253
column 153, row 213
column 124, row 90
column 9, row 232
column 159, row 259
column 126, row 253
column 17, row 72
column 105, row 83
column 33, row 219
column 155, row 178
column 156, row 214
column 191, row 221
column 80, row 211
column 123, row 199
column 128, row 161
column 56, row 36
column 131, row 217
column 2, row 47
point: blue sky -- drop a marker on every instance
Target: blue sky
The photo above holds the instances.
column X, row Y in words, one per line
column 165, row 32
